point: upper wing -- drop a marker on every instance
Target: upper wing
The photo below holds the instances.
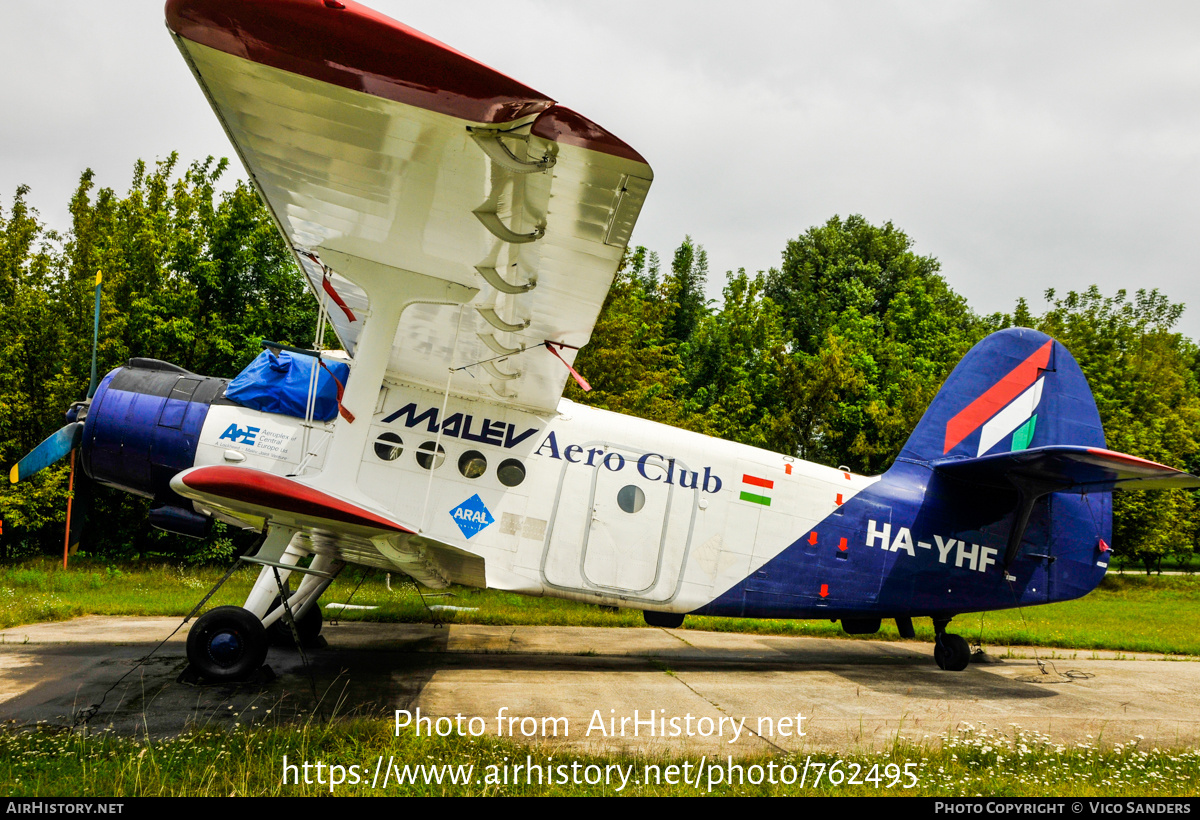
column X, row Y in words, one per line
column 379, row 151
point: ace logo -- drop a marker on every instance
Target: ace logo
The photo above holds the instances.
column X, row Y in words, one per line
column 236, row 434
column 472, row 516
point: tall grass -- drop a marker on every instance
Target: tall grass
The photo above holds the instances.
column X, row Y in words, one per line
column 250, row 761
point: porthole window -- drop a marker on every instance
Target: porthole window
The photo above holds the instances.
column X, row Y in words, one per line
column 630, row 498
column 510, row 472
column 389, row 446
column 426, row 457
column 472, row 464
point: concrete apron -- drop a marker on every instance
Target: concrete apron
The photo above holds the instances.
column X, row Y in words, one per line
column 654, row 691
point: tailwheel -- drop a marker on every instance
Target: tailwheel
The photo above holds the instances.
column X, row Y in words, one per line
column 951, row 652
column 227, row 644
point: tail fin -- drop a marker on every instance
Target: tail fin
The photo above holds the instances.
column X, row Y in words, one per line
column 1017, row 389
column 1017, row 414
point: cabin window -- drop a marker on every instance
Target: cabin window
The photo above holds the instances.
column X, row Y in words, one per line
column 630, row 498
column 389, row 446
column 472, row 464
column 510, row 472
column 427, row 458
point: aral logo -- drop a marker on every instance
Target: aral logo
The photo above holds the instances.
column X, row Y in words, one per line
column 471, row 516
column 235, row 433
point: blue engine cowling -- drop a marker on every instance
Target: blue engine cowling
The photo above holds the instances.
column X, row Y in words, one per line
column 142, row 427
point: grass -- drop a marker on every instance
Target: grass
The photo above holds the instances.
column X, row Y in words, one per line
column 1129, row 613
column 250, row 761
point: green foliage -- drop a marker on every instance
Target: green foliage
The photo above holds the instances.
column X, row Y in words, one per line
column 735, row 361
column 874, row 330
column 631, row 363
column 1143, row 377
column 685, row 289
column 190, row 276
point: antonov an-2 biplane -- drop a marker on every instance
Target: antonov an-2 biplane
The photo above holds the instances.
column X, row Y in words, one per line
column 460, row 231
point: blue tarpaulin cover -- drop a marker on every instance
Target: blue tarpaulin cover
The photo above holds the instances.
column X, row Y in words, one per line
column 278, row 383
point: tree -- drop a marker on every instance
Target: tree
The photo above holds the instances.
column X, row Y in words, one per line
column 630, row 361
column 875, row 331
column 685, row 289
column 733, row 364
column 190, row 276
column 1144, row 379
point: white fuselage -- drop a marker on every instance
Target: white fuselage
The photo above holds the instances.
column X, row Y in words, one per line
column 611, row 509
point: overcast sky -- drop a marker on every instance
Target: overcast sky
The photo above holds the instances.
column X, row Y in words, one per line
column 1025, row 145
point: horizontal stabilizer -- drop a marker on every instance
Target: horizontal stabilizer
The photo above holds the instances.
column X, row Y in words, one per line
column 1068, row 468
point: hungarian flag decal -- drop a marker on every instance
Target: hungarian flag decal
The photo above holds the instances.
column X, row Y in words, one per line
column 758, row 485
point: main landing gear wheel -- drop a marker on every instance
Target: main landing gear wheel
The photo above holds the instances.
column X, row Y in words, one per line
column 227, row 644
column 951, row 652
column 308, row 627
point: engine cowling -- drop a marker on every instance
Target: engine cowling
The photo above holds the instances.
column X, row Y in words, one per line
column 142, row 427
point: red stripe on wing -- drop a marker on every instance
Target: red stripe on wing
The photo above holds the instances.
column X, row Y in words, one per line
column 249, row 486
column 356, row 48
column 360, row 49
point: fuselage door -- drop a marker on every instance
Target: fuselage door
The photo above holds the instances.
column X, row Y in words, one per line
column 621, row 525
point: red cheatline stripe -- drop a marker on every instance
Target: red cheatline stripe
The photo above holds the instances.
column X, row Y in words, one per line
column 758, row 482
column 998, row 395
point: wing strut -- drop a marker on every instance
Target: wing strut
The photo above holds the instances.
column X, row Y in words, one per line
column 574, row 373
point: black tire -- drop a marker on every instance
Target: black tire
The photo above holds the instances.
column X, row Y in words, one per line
column 951, row 652
column 861, row 626
column 227, row 644
column 308, row 626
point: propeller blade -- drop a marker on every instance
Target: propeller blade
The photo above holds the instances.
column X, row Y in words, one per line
column 48, row 452
column 78, row 507
column 95, row 339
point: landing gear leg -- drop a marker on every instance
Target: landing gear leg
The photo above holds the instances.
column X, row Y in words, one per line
column 951, row 652
column 229, row 643
column 303, row 603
